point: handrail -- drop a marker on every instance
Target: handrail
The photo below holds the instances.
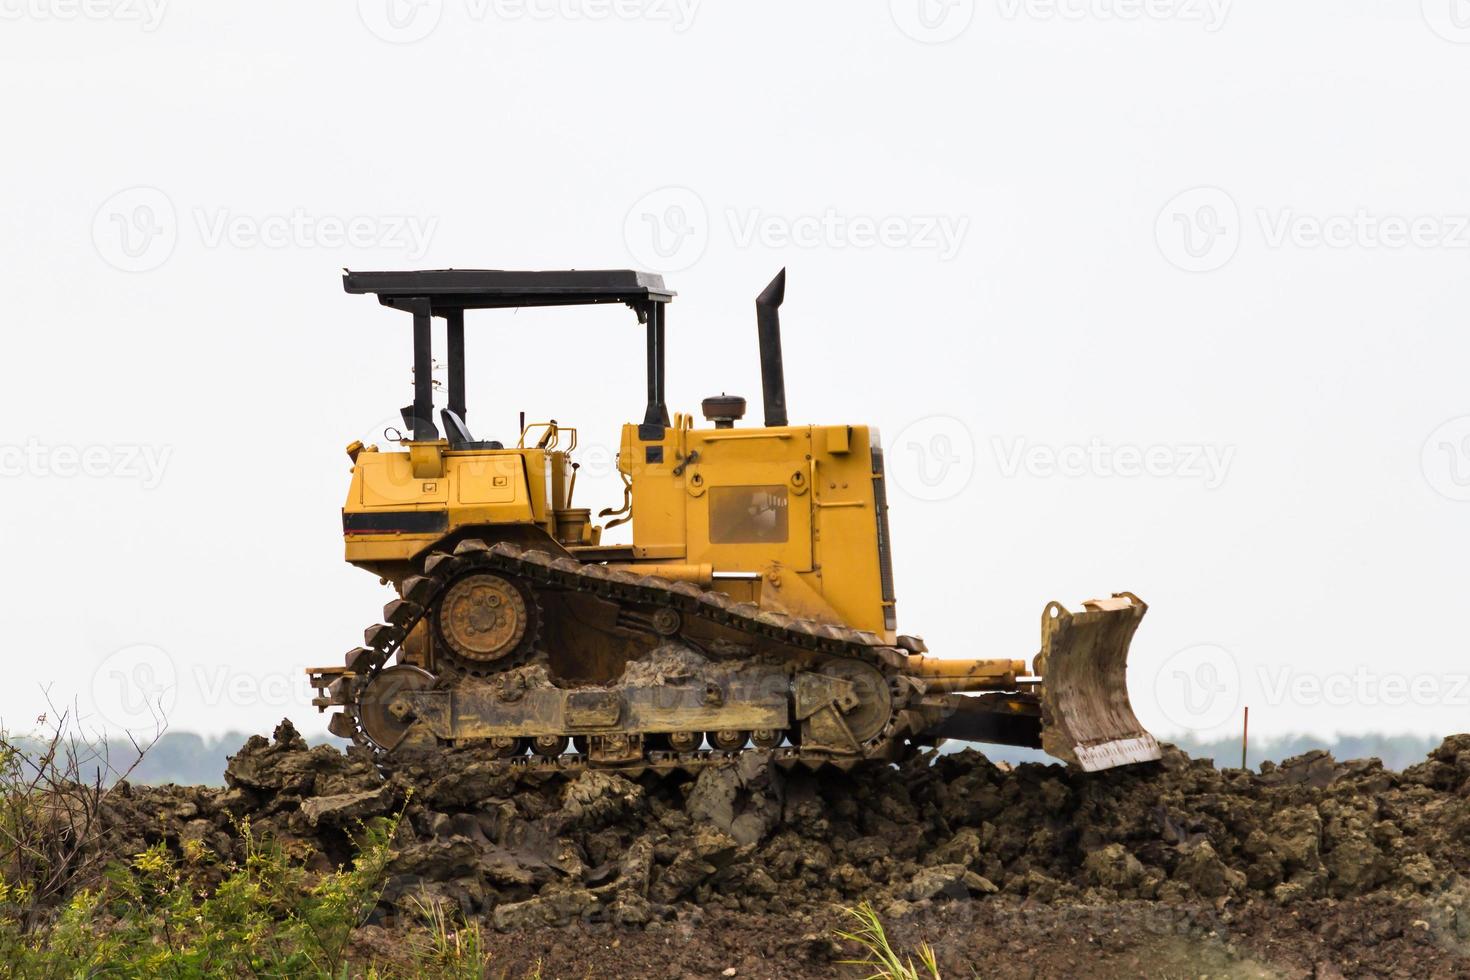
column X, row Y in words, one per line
column 748, row 434
column 551, row 438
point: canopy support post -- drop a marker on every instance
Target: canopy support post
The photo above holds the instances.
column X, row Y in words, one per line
column 454, row 329
column 420, row 415
column 656, row 415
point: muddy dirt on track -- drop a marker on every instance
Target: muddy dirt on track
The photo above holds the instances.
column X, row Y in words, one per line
column 1315, row 868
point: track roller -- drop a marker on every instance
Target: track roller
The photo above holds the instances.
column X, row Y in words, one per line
column 728, row 740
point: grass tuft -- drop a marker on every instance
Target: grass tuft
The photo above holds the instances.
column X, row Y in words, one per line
column 880, row 956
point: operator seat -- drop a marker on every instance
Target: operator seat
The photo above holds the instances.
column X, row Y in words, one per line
column 458, row 433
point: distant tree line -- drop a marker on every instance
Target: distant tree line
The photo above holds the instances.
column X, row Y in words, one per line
column 184, row 758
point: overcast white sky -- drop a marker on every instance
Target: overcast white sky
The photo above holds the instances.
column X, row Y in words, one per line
column 1158, row 295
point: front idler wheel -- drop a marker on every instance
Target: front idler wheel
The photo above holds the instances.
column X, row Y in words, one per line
column 382, row 709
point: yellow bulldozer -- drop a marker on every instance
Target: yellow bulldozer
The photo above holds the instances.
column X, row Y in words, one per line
column 753, row 610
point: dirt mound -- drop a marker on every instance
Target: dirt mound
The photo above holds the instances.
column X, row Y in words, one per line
column 974, row 857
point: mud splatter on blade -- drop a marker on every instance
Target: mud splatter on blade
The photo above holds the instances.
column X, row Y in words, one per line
column 1086, row 717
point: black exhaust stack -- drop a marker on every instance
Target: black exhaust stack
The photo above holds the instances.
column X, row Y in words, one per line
column 768, row 325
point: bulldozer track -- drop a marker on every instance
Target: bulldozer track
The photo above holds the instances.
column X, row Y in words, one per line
column 420, row 593
column 571, row 764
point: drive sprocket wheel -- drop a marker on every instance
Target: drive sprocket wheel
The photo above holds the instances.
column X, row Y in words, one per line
column 486, row 621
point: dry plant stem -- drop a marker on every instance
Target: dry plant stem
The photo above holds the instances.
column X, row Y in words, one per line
column 51, row 801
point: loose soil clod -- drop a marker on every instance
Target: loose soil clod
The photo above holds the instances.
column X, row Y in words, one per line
column 1309, row 867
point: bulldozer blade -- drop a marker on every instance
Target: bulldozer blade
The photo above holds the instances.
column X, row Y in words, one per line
column 1086, row 718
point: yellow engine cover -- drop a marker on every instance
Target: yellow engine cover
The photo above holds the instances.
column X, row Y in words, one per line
column 401, row 503
column 793, row 518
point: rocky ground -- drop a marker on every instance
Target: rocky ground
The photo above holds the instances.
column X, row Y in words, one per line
column 1315, row 868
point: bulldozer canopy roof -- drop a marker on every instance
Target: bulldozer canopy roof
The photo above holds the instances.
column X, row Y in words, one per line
column 475, row 289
